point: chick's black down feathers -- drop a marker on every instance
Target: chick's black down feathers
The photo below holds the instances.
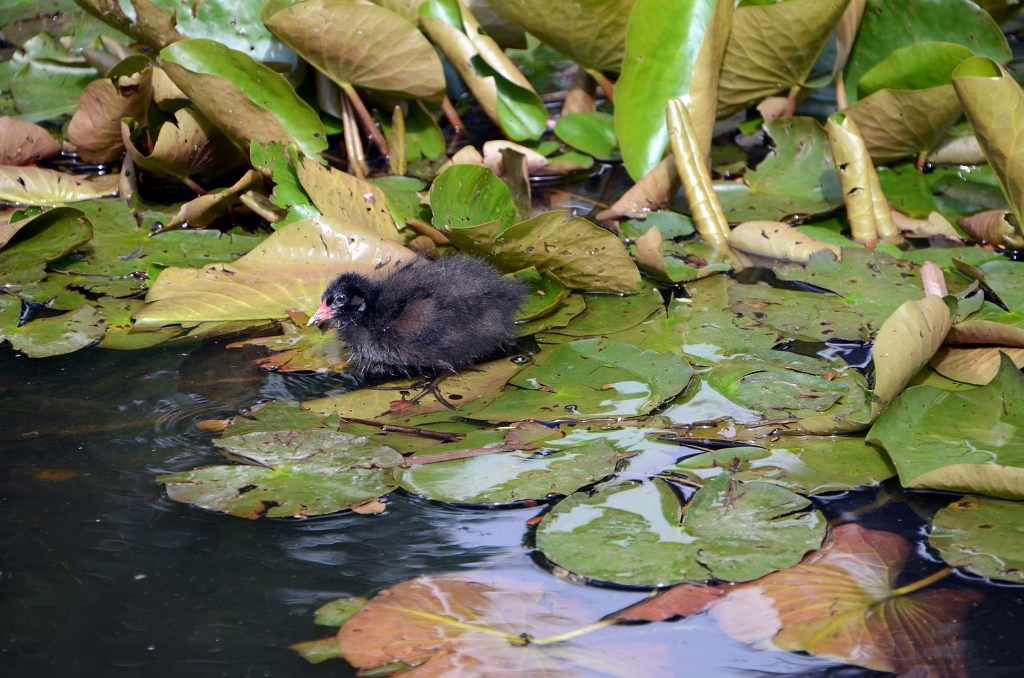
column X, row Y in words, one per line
column 425, row 317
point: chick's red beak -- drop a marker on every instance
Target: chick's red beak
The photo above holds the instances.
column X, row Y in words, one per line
column 322, row 314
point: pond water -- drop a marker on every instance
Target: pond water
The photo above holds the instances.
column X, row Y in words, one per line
column 102, row 575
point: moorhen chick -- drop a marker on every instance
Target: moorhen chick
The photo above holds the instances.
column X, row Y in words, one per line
column 427, row 317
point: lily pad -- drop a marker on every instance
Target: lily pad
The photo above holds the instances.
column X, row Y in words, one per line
column 583, row 255
column 469, row 623
column 958, row 442
column 289, row 474
column 121, row 247
column 508, row 477
column 839, row 603
column 590, row 378
column 797, row 176
column 58, row 335
column 300, row 349
column 772, row 48
column 804, row 465
column 635, row 533
column 890, row 24
column 42, row 239
column 982, row 536
column 592, row 133
column 666, row 60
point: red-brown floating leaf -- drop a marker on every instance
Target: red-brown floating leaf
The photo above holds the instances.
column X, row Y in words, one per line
column 839, row 603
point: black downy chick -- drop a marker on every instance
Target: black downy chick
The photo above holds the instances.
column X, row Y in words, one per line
column 427, row 317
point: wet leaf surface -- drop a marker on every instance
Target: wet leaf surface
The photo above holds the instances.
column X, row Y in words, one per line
column 508, row 477
column 635, row 533
column 289, row 474
column 804, row 465
column 590, row 378
column 982, row 536
column 480, row 624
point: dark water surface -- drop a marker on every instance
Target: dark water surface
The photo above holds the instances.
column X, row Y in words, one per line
column 102, row 575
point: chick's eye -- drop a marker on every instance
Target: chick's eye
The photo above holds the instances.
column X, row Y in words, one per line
column 329, row 301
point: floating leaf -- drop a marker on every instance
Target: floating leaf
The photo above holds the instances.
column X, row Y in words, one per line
column 804, row 465
column 508, row 477
column 666, row 60
column 958, row 442
column 300, row 349
column 587, row 379
column 40, row 240
column 796, row 177
column 772, row 49
column 58, row 335
column 839, row 604
column 635, row 533
column 23, row 143
column 299, row 474
column 39, row 186
column 471, row 623
column 982, row 536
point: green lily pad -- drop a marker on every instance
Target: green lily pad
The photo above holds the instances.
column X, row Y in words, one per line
column 44, row 90
column 118, row 315
column 982, row 536
column 606, row 314
column 123, row 248
column 58, row 335
column 634, row 533
column 276, row 415
column 41, row 186
column 916, row 66
column 288, row 194
column 299, row 474
column 300, row 349
column 668, row 59
column 783, row 386
column 804, row 465
column 965, row 441
column 47, row 237
column 872, row 282
column 807, row 316
column 562, row 315
column 508, row 477
column 590, row 378
column 796, row 177
column 545, row 292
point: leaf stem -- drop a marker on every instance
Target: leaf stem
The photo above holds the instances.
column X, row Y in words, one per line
column 573, row 634
column 920, row 584
column 366, row 120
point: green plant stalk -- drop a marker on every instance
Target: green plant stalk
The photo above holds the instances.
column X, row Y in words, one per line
column 397, row 161
column 711, row 223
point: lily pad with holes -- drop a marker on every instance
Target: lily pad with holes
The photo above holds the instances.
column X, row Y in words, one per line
column 982, row 536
